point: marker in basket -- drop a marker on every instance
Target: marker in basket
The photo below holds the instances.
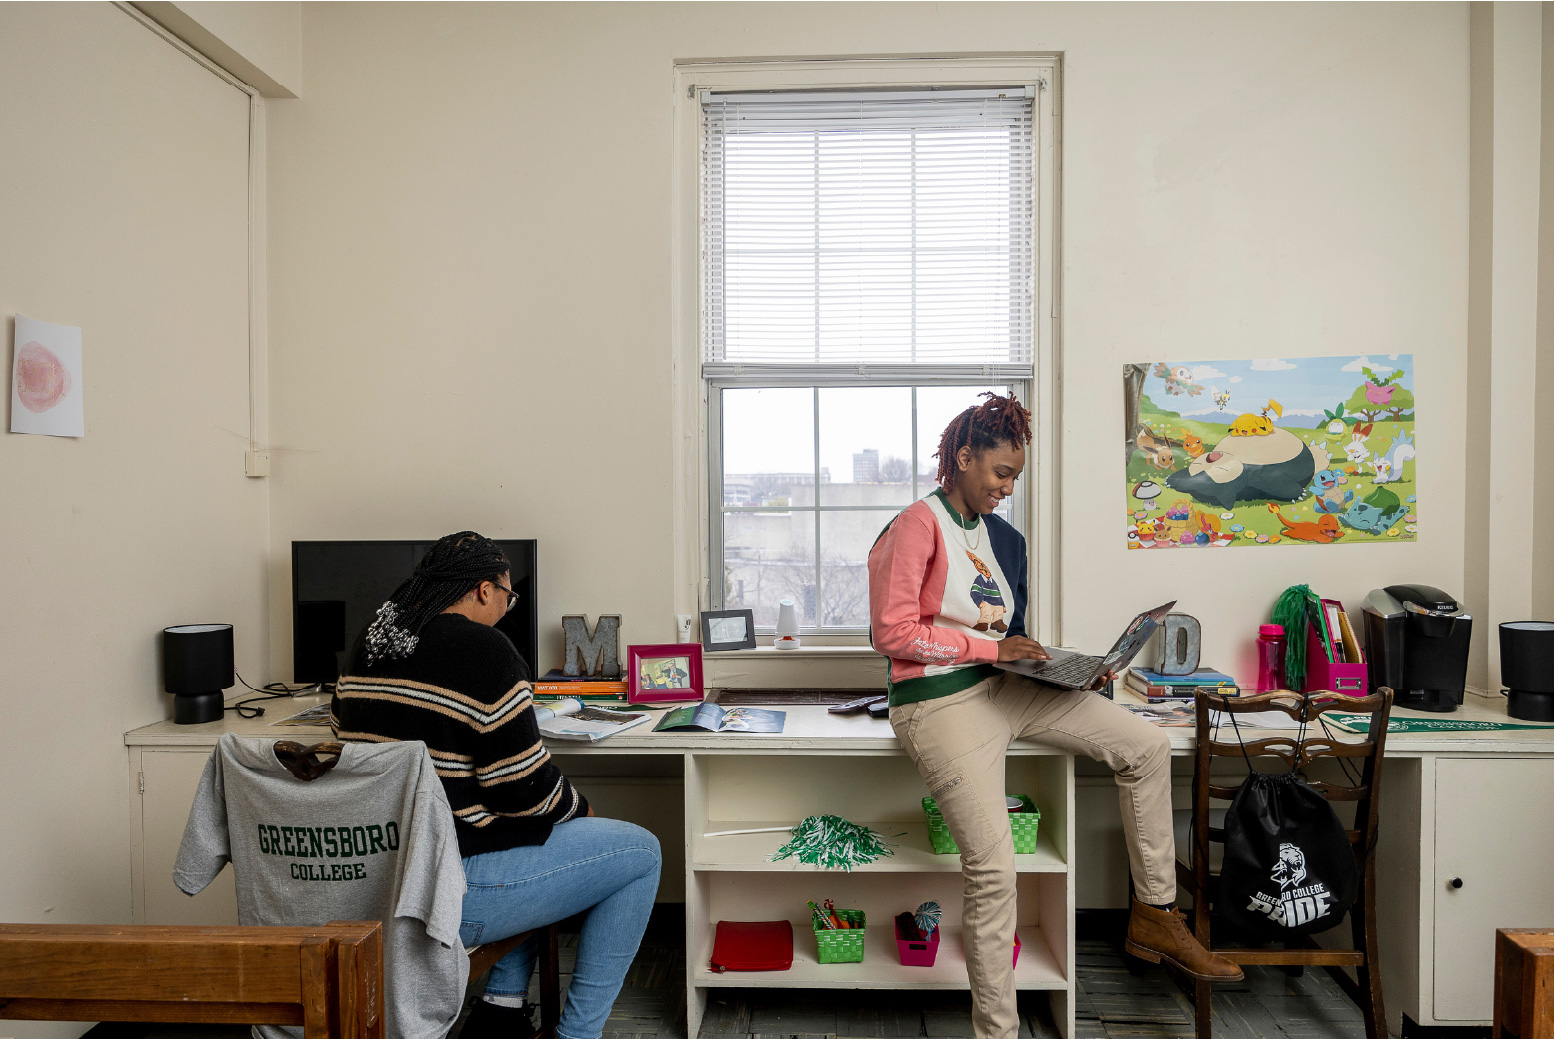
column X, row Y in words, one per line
column 821, row 919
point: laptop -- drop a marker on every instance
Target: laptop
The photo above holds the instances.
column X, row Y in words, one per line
column 1069, row 670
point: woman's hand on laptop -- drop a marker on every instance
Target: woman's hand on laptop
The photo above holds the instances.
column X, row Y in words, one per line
column 1102, row 680
column 1018, row 647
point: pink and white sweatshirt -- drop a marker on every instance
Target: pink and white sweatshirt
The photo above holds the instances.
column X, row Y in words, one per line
column 942, row 592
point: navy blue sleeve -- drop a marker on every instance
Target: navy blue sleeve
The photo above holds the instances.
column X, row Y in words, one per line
column 1009, row 548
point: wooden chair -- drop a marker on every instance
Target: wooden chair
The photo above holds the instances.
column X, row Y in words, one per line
column 1195, row 874
column 1524, row 982
column 485, row 957
column 328, row 979
column 310, row 762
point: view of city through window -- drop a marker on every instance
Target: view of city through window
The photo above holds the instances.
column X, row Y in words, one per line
column 785, row 492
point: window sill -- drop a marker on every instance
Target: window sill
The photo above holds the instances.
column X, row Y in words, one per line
column 803, row 652
column 808, row 667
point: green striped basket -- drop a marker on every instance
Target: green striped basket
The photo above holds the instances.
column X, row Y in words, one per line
column 841, row 946
column 1023, row 825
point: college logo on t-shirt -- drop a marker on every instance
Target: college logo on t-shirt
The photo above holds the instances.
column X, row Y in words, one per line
column 1295, row 904
column 987, row 598
column 329, row 842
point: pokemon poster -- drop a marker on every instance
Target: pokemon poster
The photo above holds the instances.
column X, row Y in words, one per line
column 1274, row 451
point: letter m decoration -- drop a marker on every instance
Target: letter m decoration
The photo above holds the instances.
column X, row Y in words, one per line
column 596, row 655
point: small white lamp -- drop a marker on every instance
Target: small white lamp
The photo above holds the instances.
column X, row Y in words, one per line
column 787, row 626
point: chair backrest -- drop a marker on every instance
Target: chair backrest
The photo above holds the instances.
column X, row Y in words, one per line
column 328, row 979
column 1296, row 751
column 361, row 831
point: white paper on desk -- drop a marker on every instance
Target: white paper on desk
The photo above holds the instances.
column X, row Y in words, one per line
column 46, row 380
column 1255, row 720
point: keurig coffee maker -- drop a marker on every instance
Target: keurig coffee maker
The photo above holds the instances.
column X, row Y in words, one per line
column 1417, row 644
column 1527, row 660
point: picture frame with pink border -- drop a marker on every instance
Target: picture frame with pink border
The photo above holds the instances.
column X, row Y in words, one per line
column 668, row 673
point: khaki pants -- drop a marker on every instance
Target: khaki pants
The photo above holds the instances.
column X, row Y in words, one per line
column 958, row 743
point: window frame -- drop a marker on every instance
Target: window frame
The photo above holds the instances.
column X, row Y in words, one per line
column 697, row 517
column 715, row 487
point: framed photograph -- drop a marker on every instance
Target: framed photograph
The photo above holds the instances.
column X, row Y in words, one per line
column 728, row 629
column 664, row 674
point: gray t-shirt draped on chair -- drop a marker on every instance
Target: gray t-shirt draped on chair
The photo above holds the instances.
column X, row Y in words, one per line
column 371, row 839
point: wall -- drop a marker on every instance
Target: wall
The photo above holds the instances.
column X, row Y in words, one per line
column 258, row 42
column 123, row 209
column 1544, row 336
column 471, row 242
column 1507, row 557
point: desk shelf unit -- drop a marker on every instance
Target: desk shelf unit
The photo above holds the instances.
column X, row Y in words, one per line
column 733, row 878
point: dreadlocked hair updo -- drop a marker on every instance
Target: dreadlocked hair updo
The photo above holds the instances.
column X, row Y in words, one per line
column 998, row 420
column 446, row 574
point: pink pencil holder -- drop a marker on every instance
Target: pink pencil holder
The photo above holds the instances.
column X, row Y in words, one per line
column 917, row 954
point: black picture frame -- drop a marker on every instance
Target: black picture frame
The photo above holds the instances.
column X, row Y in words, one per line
column 708, row 616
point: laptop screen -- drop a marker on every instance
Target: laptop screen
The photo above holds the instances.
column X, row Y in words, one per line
column 1134, row 639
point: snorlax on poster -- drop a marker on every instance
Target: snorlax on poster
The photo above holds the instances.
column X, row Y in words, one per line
column 1294, row 451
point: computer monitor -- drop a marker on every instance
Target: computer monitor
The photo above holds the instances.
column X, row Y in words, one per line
column 337, row 587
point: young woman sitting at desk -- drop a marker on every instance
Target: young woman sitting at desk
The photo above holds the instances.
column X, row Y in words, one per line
column 432, row 667
column 947, row 598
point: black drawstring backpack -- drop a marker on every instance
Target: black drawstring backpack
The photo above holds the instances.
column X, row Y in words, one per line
column 1289, row 868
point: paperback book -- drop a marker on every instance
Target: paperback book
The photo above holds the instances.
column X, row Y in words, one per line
column 709, row 717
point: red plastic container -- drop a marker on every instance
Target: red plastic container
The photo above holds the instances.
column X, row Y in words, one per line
column 1016, row 960
column 917, row 954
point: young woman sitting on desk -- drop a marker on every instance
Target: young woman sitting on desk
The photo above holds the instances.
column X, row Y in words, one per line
column 947, row 598
column 432, row 667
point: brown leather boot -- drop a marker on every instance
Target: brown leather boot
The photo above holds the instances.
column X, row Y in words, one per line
column 1157, row 934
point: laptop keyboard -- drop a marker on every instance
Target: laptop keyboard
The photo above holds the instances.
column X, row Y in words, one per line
column 1074, row 670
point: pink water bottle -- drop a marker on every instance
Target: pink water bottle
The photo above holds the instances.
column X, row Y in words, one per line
column 1271, row 658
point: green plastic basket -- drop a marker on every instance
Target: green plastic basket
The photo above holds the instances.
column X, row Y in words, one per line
column 841, row 946
column 1023, row 826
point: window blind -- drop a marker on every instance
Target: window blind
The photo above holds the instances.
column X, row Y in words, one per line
column 889, row 228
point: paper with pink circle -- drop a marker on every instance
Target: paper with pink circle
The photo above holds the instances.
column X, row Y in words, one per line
column 46, row 379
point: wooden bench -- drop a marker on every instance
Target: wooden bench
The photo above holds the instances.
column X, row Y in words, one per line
column 327, row 979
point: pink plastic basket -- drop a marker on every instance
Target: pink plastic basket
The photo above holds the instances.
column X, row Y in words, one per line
column 921, row 954
column 917, row 954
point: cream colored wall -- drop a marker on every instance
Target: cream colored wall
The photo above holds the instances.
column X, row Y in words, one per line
column 258, row 41
column 471, row 242
column 1507, row 558
column 1544, row 337
column 123, row 209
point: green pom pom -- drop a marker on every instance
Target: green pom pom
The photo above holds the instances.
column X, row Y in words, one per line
column 831, row 842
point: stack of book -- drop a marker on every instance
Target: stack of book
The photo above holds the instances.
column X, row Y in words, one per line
column 1155, row 687
column 554, row 685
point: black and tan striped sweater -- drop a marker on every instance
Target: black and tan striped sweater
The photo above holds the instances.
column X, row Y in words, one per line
column 465, row 693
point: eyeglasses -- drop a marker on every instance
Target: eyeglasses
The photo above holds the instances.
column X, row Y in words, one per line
column 512, row 597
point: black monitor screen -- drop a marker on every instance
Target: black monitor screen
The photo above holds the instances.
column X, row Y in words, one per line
column 337, row 587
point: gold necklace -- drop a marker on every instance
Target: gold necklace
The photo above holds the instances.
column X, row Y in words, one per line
column 967, row 541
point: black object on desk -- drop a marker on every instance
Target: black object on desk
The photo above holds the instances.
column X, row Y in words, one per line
column 1527, row 663
column 854, row 706
column 1417, row 644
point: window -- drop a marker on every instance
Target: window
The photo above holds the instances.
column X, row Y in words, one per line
column 867, row 268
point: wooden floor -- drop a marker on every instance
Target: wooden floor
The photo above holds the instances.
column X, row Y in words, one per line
column 1114, row 1002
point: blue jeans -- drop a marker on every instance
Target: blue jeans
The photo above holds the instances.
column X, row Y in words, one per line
column 605, row 866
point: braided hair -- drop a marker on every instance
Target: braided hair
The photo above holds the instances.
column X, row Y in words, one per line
column 448, row 572
column 998, row 420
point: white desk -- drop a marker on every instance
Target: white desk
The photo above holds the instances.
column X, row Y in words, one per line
column 1472, row 806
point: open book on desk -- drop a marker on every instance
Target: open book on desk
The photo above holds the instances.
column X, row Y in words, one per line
column 570, row 720
column 709, row 717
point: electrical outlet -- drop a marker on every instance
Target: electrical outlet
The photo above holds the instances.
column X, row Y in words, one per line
column 256, row 463
column 683, row 623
